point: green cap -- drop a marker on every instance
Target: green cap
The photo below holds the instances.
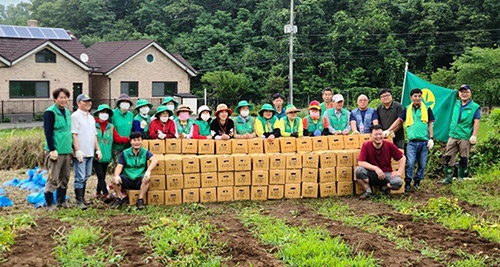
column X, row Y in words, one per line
column 103, row 107
column 141, row 103
column 291, row 108
column 244, row 103
column 162, row 109
column 268, row 107
column 170, row 99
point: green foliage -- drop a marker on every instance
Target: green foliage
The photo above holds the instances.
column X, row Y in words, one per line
column 485, row 154
column 225, row 85
column 9, row 226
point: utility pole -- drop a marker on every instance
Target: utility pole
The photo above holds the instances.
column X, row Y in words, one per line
column 291, row 29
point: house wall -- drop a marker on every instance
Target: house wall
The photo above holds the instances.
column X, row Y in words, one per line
column 100, row 90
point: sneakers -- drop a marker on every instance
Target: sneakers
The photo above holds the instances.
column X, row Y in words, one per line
column 140, row 204
column 118, row 203
column 365, row 195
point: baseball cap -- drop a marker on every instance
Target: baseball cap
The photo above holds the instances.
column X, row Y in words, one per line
column 83, row 97
column 338, row 98
column 465, row 86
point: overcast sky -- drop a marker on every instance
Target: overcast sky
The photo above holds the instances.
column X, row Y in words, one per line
column 8, row 2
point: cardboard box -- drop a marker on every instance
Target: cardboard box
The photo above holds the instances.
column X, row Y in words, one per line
column 239, row 146
column 272, row 146
column 260, row 162
column 209, row 179
column 223, row 147
column 277, row 176
column 242, row 178
column 241, row 193
column 292, row 190
column 145, row 144
column 310, row 160
column 328, row 159
column 358, row 189
column 320, row 143
column 173, row 164
column 242, row 162
column 310, row 175
column 255, row 146
column 260, row 177
column 192, row 180
column 258, row 193
column 293, row 161
column 293, row 176
column 310, row 190
column 225, row 193
column 189, row 146
column 175, row 181
column 191, row 195
column 156, row 146
column 173, row 197
column 275, row 191
column 173, row 146
column 355, row 156
column 400, row 191
column 336, row 142
column 344, row 174
column 208, row 164
column 327, row 175
column 393, row 161
column 156, row 197
column 277, row 161
column 225, row 163
column 157, row 182
column 190, row 164
column 364, row 138
column 327, row 189
column 225, row 179
column 288, row 144
column 133, row 196
column 395, row 168
column 344, row 158
column 206, row 147
column 345, row 188
column 208, row 194
column 351, row 141
column 160, row 166
column 304, row 144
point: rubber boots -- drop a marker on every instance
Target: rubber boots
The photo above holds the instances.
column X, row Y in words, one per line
column 49, row 199
column 80, row 198
column 448, row 175
column 61, row 198
column 407, row 185
column 461, row 173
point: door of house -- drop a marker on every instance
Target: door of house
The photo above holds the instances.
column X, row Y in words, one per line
column 77, row 89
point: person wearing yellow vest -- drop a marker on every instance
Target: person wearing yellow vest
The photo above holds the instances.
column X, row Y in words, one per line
column 244, row 123
column 336, row 119
column 463, row 134
column 291, row 125
column 58, row 147
column 142, row 119
column 417, row 119
column 313, row 123
column 267, row 124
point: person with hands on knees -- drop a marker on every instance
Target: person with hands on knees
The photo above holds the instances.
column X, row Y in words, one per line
column 313, row 123
column 463, row 134
column 417, row 119
column 267, row 125
column 202, row 123
column 85, row 145
column 142, row 119
column 336, row 119
column 133, row 172
column 123, row 120
column 363, row 117
column 244, row 123
column 222, row 128
column 291, row 125
column 58, row 146
column 374, row 164
column 184, row 124
column 162, row 127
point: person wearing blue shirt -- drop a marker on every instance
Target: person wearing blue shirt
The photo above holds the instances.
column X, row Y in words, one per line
column 363, row 117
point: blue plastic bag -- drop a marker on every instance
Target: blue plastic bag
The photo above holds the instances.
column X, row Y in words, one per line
column 38, row 199
column 5, row 202
column 2, row 192
column 14, row 182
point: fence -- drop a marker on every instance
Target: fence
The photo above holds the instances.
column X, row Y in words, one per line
column 23, row 110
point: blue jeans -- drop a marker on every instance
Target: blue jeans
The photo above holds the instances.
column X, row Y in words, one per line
column 416, row 150
column 82, row 172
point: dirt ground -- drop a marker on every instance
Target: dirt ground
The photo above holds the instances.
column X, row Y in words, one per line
column 34, row 247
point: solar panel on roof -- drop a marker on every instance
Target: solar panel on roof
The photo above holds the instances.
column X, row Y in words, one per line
column 33, row 32
column 9, row 31
column 61, row 33
column 22, row 32
column 49, row 33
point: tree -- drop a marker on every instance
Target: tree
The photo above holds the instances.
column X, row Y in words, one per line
column 227, row 86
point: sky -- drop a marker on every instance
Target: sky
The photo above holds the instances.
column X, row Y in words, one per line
column 14, row 2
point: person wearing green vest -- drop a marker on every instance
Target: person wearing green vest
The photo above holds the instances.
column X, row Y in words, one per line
column 328, row 103
column 142, row 119
column 244, row 123
column 133, row 171
column 336, row 119
column 267, row 124
column 58, row 147
column 463, row 134
column 313, row 123
column 202, row 123
column 171, row 104
column 291, row 125
column 184, row 123
column 417, row 120
column 122, row 119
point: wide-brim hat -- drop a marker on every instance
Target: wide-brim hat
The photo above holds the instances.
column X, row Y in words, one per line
column 124, row 97
column 170, row 99
column 141, row 103
column 267, row 107
column 104, row 107
column 223, row 107
column 183, row 108
column 162, row 109
column 291, row 109
column 204, row 108
column 314, row 105
column 244, row 103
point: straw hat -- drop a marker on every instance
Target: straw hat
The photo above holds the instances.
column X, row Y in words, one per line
column 223, row 107
column 183, row 108
column 291, row 109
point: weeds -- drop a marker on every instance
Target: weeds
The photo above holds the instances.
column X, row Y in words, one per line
column 8, row 228
column 21, row 148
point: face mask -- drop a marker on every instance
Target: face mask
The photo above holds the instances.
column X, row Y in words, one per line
column 244, row 113
column 184, row 116
column 103, row 116
column 205, row 116
column 164, row 119
column 171, row 107
column 124, row 106
column 144, row 110
column 314, row 115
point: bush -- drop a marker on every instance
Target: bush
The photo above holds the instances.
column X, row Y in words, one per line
column 21, row 148
column 485, row 154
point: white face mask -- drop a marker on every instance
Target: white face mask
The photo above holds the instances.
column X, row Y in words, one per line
column 144, row 110
column 164, row 119
column 171, row 107
column 124, row 106
column 244, row 113
column 103, row 116
column 205, row 116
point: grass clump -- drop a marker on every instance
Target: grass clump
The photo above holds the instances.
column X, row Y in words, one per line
column 21, row 148
column 8, row 228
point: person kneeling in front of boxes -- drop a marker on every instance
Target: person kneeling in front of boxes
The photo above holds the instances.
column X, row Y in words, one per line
column 132, row 171
column 375, row 164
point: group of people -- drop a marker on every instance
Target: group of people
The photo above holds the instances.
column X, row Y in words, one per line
column 94, row 140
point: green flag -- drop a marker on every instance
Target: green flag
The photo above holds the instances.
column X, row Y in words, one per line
column 438, row 98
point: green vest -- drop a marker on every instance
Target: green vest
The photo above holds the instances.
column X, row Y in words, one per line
column 338, row 124
column 140, row 118
column 288, row 126
column 63, row 139
column 123, row 124
column 204, row 127
column 135, row 166
column 311, row 126
column 244, row 127
column 419, row 130
column 264, row 123
column 323, row 108
column 463, row 129
column 105, row 141
column 184, row 129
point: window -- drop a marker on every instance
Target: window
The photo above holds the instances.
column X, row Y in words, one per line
column 29, row 89
column 164, row 88
column 150, row 58
column 130, row 88
column 45, row 56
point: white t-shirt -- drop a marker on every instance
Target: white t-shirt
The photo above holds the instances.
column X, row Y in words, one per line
column 83, row 124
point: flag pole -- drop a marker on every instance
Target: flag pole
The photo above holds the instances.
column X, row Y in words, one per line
column 404, row 81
